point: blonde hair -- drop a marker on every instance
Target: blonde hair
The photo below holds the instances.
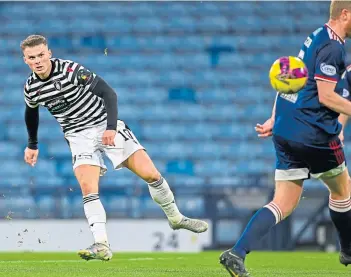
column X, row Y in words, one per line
column 33, row 40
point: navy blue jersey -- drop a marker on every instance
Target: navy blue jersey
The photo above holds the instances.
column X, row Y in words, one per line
column 343, row 87
column 301, row 117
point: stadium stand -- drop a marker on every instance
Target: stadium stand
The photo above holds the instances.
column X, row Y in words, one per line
column 192, row 80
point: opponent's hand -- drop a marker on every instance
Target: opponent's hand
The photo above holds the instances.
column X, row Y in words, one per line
column 31, row 156
column 265, row 130
column 108, row 138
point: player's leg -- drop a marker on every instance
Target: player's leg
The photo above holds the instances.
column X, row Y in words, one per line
column 88, row 178
column 289, row 178
column 87, row 166
column 340, row 212
column 329, row 165
column 129, row 153
column 141, row 164
column 286, row 198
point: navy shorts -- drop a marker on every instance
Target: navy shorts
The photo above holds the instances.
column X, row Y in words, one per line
column 297, row 161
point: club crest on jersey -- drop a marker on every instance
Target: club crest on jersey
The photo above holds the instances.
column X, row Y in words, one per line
column 328, row 69
column 57, row 85
column 345, row 93
column 83, row 76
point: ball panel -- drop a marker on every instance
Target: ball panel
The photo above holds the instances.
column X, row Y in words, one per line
column 284, row 65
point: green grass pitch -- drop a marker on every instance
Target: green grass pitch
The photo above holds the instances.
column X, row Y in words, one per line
column 260, row 264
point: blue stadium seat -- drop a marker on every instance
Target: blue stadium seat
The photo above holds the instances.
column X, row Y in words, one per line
column 10, row 149
column 43, row 181
column 17, row 207
column 75, row 206
column 185, row 167
column 148, row 25
column 205, row 150
column 229, row 231
column 15, row 180
column 188, row 181
column 119, row 25
column 219, row 181
column 148, row 208
column 214, row 167
column 59, row 42
column 117, row 205
column 58, row 149
column 65, row 168
column 49, row 131
column 46, row 206
column 14, row 167
column 185, row 94
column 44, row 168
column 96, row 41
column 191, row 205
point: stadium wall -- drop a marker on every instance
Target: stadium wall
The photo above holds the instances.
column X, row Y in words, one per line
column 125, row 236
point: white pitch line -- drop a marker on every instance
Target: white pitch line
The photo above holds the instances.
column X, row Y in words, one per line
column 150, row 259
column 81, row 261
column 40, row 262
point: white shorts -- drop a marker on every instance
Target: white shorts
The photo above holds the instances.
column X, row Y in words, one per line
column 87, row 148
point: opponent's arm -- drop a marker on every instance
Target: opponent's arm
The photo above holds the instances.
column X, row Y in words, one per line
column 104, row 91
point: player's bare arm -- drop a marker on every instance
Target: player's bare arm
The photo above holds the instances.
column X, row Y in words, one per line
column 104, row 91
column 343, row 118
column 332, row 100
column 32, row 122
column 265, row 130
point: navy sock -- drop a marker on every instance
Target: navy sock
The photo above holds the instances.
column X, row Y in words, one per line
column 340, row 213
column 259, row 225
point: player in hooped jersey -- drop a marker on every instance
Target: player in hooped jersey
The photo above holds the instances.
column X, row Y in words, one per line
column 86, row 108
column 306, row 131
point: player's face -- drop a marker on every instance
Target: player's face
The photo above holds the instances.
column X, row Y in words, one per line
column 348, row 29
column 38, row 59
column 346, row 17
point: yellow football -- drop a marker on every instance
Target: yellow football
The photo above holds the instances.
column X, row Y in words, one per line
column 288, row 75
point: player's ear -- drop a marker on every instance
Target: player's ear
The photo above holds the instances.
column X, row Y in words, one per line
column 50, row 54
column 344, row 16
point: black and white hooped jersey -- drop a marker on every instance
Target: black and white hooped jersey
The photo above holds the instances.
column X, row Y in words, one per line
column 67, row 94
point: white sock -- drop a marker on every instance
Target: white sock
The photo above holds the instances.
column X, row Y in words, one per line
column 96, row 215
column 162, row 195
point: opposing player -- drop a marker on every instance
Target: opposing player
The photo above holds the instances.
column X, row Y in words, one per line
column 86, row 108
column 305, row 135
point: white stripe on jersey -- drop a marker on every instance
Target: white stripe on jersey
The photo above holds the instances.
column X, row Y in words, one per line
column 67, row 95
column 333, row 35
